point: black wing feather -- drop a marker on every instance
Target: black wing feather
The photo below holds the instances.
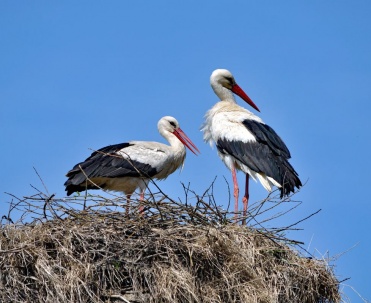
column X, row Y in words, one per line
column 268, row 155
column 265, row 134
column 106, row 163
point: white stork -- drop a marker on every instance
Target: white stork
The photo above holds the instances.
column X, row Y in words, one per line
column 244, row 142
column 126, row 166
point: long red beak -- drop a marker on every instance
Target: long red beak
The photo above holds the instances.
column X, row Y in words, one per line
column 186, row 141
column 238, row 91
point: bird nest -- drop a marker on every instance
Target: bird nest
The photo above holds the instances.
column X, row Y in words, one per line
column 87, row 249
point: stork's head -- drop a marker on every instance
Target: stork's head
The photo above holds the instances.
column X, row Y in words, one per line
column 223, row 83
column 168, row 125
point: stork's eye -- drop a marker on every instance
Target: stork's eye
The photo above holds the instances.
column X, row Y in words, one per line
column 229, row 79
column 172, row 123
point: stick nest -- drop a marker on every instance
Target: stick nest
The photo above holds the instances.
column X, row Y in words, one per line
column 88, row 249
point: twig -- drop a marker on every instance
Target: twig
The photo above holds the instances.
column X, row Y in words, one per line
column 46, row 189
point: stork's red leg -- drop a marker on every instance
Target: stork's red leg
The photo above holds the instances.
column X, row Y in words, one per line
column 235, row 192
column 245, row 199
column 141, row 207
column 127, row 204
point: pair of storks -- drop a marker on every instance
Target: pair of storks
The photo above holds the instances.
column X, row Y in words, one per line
column 244, row 142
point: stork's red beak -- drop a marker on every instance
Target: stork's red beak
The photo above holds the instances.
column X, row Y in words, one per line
column 238, row 91
column 186, row 141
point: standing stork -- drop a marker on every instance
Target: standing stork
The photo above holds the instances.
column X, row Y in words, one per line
column 127, row 166
column 244, row 142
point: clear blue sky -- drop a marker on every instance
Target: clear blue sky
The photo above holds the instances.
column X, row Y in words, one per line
column 85, row 74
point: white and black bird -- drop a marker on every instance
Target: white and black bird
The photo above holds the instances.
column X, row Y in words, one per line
column 244, row 142
column 127, row 166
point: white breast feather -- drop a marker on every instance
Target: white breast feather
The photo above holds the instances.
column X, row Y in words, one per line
column 224, row 121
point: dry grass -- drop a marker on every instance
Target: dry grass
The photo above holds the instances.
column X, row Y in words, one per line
column 87, row 250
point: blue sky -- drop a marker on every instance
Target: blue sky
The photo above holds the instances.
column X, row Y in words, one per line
column 85, row 74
